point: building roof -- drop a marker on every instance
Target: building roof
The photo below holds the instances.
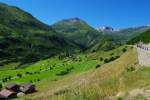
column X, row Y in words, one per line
column 27, row 85
column 11, row 85
column 6, row 93
column 2, row 97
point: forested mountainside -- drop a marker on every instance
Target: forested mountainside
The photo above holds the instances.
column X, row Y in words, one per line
column 79, row 32
column 25, row 39
column 143, row 37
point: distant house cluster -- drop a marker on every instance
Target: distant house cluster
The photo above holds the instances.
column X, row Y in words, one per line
column 14, row 90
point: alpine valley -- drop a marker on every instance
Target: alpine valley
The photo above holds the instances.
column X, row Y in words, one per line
column 71, row 60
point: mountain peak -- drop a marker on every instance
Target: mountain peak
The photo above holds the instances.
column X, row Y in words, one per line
column 148, row 25
column 2, row 3
column 75, row 19
column 78, row 31
column 72, row 20
column 105, row 29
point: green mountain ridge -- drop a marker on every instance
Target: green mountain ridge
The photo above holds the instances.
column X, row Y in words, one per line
column 70, row 60
column 143, row 37
column 125, row 35
column 24, row 39
column 78, row 31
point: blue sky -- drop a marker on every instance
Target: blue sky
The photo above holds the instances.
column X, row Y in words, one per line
column 115, row 13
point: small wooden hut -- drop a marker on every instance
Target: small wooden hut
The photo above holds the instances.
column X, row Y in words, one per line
column 27, row 88
column 7, row 94
column 13, row 87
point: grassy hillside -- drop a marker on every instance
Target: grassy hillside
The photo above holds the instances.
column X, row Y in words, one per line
column 57, row 67
column 55, row 74
column 78, row 31
column 117, row 80
column 106, row 43
column 24, row 39
column 94, row 84
column 51, row 58
column 144, row 37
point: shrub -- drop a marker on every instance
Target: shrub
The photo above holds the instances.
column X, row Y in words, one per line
column 50, row 68
column 9, row 77
column 65, row 71
column 97, row 66
column 19, row 75
column 61, row 56
column 119, row 98
column 93, row 51
column 130, row 69
column 30, row 73
column 1, row 86
column 101, row 59
column 112, row 54
column 131, row 47
column 38, row 80
column 114, row 58
column 111, row 59
column 117, row 57
column 31, row 81
column 4, row 80
column 37, row 72
column 106, row 60
column 124, row 50
column 26, row 72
